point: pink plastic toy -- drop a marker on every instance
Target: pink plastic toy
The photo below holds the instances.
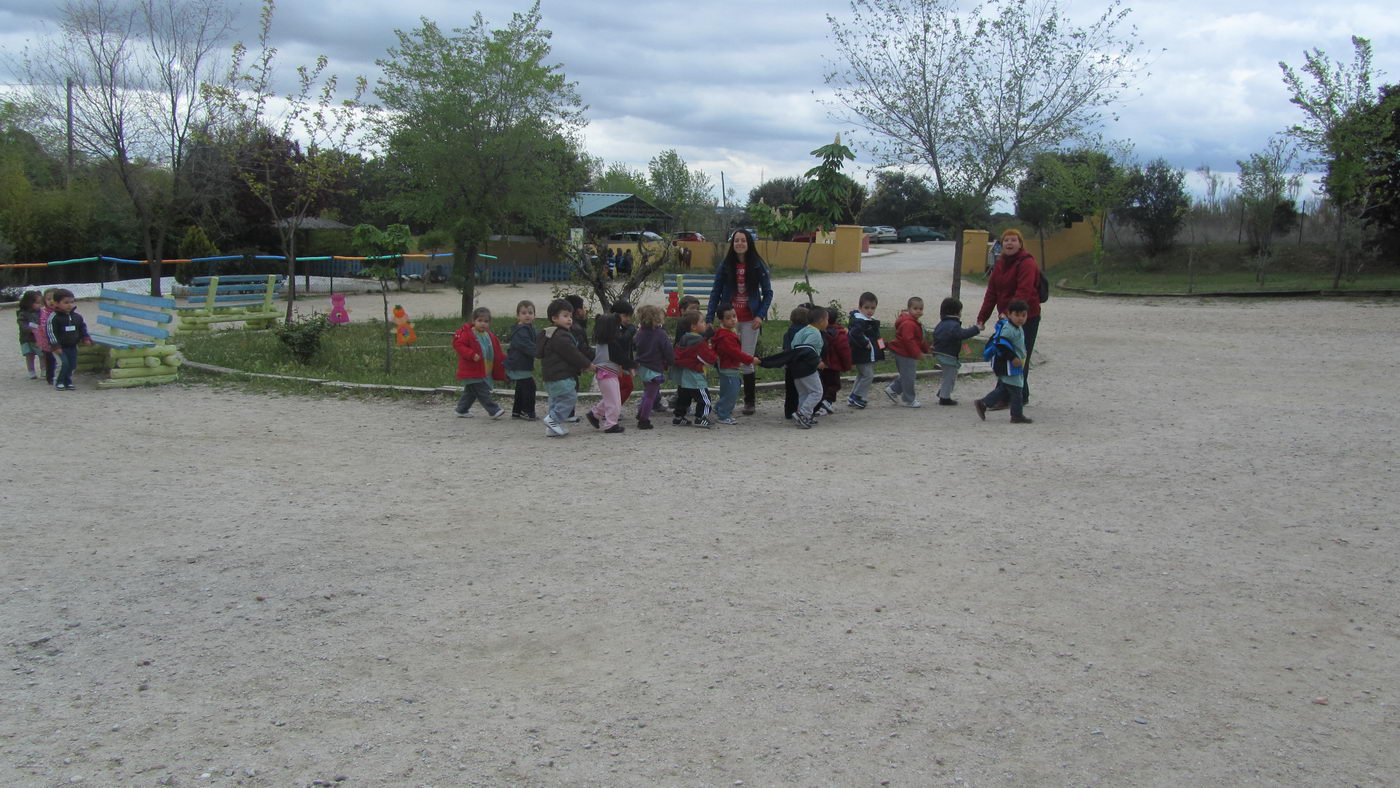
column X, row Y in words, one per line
column 339, row 314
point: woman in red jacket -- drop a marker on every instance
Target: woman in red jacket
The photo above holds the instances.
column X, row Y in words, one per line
column 1015, row 275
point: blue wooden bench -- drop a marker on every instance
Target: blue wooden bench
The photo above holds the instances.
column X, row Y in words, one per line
column 143, row 355
column 227, row 299
column 698, row 285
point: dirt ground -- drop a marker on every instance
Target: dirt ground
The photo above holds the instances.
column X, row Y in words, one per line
column 1184, row 573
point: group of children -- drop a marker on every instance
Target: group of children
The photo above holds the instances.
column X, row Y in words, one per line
column 816, row 350
column 50, row 330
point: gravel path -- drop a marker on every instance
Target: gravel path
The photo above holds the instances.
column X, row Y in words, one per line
column 1182, row 574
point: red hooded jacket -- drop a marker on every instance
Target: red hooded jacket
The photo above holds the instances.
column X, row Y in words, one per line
column 908, row 337
column 694, row 354
column 466, row 345
column 837, row 351
column 1012, row 278
column 730, row 352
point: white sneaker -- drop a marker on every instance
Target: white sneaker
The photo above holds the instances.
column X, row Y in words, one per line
column 499, row 413
column 553, row 428
column 889, row 392
column 726, row 421
column 914, row 404
column 464, row 414
column 572, row 419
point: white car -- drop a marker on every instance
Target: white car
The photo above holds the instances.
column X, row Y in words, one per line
column 884, row 234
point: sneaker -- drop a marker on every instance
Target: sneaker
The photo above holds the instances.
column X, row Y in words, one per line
column 660, row 407
column 523, row 416
column 464, row 414
column 889, row 392
column 644, row 425
column 554, row 428
column 33, row 376
column 730, row 421
column 593, row 419
column 855, row 402
column 914, row 404
column 704, row 422
column 499, row 413
column 680, row 421
column 801, row 421
column 616, row 428
column 572, row 420
column 1014, row 419
column 981, row 409
column 828, row 406
column 946, row 401
column 999, row 406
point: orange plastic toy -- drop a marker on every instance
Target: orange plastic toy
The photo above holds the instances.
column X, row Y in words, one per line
column 403, row 331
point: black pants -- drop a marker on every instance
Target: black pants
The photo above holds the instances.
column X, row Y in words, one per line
column 789, row 394
column 684, row 396
column 1031, row 328
column 524, row 404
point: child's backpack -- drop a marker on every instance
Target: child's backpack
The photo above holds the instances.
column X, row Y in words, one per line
column 999, row 350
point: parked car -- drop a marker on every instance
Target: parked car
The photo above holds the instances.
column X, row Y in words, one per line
column 634, row 236
column 916, row 233
column 804, row 238
column 687, row 237
column 885, row 234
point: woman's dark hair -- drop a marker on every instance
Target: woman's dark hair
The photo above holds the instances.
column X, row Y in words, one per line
column 750, row 257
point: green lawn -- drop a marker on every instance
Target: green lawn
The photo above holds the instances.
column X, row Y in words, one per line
column 1219, row 268
column 355, row 353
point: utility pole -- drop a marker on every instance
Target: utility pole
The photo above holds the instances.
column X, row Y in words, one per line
column 68, row 171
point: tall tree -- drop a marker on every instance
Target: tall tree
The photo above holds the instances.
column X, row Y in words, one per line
column 900, row 198
column 971, row 97
column 684, row 193
column 484, row 131
column 288, row 146
column 1266, row 179
column 135, row 69
column 1156, row 204
column 1335, row 99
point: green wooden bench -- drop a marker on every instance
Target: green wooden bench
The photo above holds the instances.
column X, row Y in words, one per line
column 143, row 355
column 229, row 299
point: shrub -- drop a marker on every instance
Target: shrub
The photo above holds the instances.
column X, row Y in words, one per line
column 302, row 335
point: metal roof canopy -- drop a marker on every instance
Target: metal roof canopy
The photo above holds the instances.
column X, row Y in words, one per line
column 603, row 205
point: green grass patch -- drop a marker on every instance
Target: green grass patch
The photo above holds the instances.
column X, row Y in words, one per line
column 354, row 353
column 1219, row 268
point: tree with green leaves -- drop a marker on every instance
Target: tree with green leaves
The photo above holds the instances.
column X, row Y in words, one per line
column 290, row 180
column 1336, row 99
column 1266, row 179
column 899, row 199
column 971, row 97
column 136, row 71
column 484, row 132
column 1086, row 184
column 385, row 250
column 1156, row 204
column 684, row 193
column 825, row 198
column 618, row 178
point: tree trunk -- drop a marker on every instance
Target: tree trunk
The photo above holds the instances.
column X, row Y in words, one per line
column 289, row 248
column 958, row 250
column 390, row 329
column 1341, row 254
column 466, row 270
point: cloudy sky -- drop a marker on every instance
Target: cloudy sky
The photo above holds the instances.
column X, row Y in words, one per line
column 733, row 85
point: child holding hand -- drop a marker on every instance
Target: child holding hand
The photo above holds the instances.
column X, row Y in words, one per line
column 908, row 346
column 655, row 355
column 479, row 360
column 732, row 359
column 28, row 318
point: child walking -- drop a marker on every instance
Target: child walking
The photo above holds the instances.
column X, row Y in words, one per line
column 948, row 337
column 732, row 360
column 612, row 355
column 866, row 348
column 561, row 362
column 655, row 355
column 28, row 318
column 479, row 361
column 41, row 336
column 908, row 347
column 66, row 331
column 520, row 361
column 692, row 354
column 797, row 318
column 836, row 357
column 809, row 386
column 1010, row 371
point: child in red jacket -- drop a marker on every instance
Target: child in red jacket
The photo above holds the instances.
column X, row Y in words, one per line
column 479, row 361
column 909, row 346
column 732, row 359
column 837, row 357
column 692, row 354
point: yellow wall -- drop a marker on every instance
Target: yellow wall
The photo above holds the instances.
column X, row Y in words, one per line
column 1061, row 246
column 841, row 255
column 974, row 255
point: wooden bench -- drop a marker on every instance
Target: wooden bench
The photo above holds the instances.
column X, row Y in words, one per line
column 698, row 285
column 142, row 356
column 228, row 299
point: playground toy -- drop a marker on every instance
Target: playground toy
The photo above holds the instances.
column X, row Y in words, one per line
column 339, row 314
column 403, row 329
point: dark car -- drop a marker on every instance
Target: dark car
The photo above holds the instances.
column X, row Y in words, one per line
column 687, row 237
column 914, row 233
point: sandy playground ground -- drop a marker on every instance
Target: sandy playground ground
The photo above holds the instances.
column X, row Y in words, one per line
column 1184, row 573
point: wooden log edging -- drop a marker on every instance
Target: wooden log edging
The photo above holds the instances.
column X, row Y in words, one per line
column 1320, row 293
